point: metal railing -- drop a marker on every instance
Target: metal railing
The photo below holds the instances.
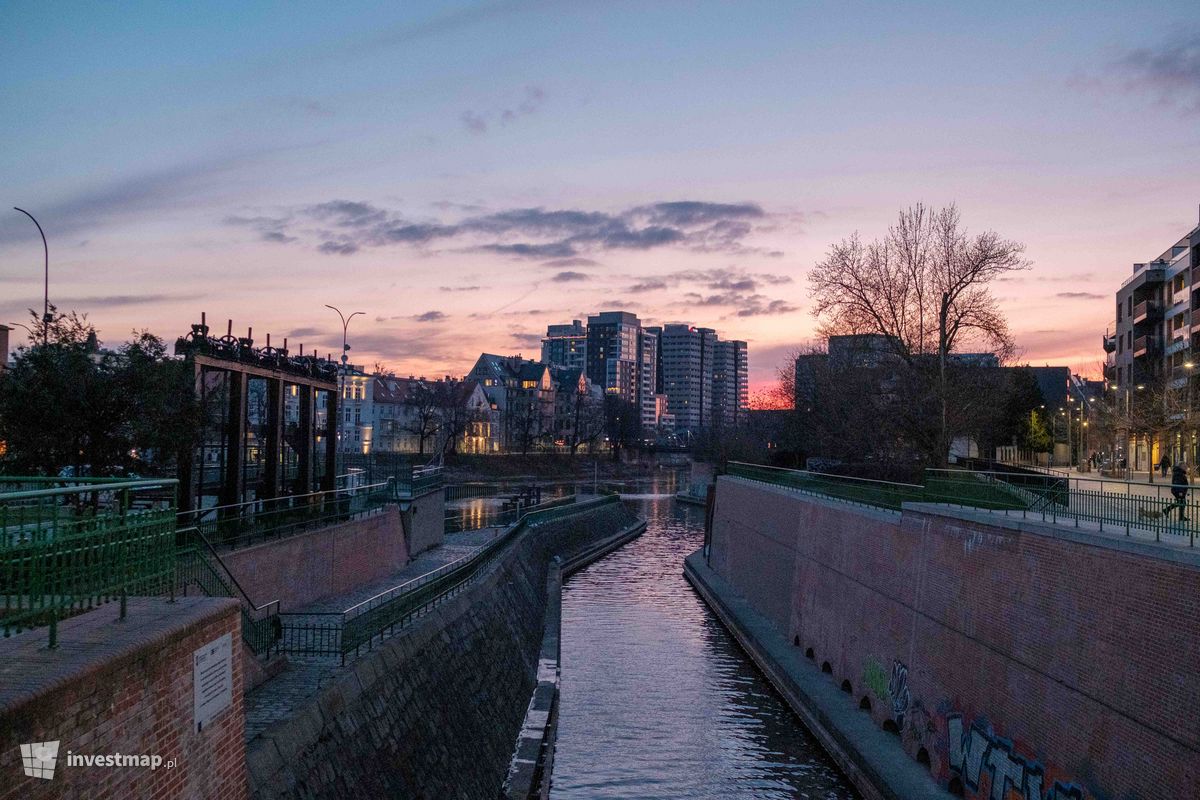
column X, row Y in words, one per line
column 361, row 625
column 461, row 519
column 1167, row 513
column 243, row 524
column 198, row 564
column 68, row 549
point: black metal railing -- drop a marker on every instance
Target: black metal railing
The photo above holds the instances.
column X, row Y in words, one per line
column 360, row 626
column 1114, row 506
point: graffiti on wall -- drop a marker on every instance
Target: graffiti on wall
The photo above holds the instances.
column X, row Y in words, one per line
column 976, row 751
column 898, row 692
column 876, row 679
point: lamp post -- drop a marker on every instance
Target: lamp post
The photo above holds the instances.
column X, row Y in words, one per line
column 345, row 359
column 46, row 285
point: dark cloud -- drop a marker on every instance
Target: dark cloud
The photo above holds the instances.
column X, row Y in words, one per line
column 559, row 237
column 338, row 248
column 756, row 309
column 526, row 339
column 459, row 288
column 128, row 198
column 651, row 285
column 564, row 263
column 526, row 250
column 306, row 332
column 473, row 122
column 692, row 212
column 430, row 316
column 568, row 277
column 1081, row 296
column 477, row 122
column 1170, row 71
column 347, row 213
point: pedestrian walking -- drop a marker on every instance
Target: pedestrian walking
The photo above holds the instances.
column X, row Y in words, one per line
column 1179, row 490
column 1164, row 465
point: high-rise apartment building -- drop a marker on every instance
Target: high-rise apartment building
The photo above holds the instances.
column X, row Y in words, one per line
column 565, row 346
column 647, row 379
column 613, row 344
column 730, row 383
column 687, row 362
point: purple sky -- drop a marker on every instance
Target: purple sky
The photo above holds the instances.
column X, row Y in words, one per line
column 468, row 173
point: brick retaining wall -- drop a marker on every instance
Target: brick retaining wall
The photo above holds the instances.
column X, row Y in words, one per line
column 313, row 565
column 122, row 687
column 435, row 710
column 1060, row 662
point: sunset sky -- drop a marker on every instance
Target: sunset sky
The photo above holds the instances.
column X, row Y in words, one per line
column 466, row 173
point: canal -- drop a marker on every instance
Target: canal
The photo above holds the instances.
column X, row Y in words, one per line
column 657, row 699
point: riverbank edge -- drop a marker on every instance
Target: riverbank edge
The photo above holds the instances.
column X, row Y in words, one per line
column 531, row 772
column 870, row 758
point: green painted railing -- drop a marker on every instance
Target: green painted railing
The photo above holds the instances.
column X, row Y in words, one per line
column 1113, row 506
column 68, row 549
column 199, row 566
column 245, row 524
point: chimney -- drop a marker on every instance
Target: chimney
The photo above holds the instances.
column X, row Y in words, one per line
column 4, row 329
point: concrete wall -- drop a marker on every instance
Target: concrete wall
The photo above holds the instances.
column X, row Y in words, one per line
column 425, row 521
column 310, row 566
column 1022, row 659
column 435, row 710
column 122, row 687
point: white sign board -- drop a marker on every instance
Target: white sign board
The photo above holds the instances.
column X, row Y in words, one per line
column 212, row 679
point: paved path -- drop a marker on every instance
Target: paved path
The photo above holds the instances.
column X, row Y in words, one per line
column 306, row 676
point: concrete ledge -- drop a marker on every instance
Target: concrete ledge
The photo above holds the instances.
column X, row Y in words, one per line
column 1091, row 537
column 533, row 759
column 872, row 759
column 875, row 512
column 96, row 641
column 602, row 548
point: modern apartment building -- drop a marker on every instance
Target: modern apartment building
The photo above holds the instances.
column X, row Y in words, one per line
column 687, row 358
column 1150, row 354
column 648, row 379
column 614, row 340
column 565, row 346
column 730, row 383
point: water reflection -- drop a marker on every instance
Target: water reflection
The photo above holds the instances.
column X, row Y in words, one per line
column 657, row 700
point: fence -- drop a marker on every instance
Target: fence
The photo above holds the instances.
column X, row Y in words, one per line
column 198, row 564
column 357, row 627
column 67, row 549
column 1119, row 506
column 244, row 524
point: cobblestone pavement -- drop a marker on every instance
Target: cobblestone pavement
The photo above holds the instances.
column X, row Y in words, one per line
column 304, row 677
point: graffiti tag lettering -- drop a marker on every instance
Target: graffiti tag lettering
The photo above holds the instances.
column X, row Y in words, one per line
column 976, row 750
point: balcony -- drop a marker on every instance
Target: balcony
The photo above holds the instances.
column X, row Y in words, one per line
column 1146, row 345
column 1110, row 343
column 1146, row 310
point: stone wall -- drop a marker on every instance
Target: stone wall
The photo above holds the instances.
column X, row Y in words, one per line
column 122, row 688
column 1017, row 659
column 434, row 711
column 309, row 566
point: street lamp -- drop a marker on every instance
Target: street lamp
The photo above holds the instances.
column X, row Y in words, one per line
column 46, row 286
column 345, row 351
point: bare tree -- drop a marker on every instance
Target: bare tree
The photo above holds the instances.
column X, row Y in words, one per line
column 422, row 413
column 924, row 287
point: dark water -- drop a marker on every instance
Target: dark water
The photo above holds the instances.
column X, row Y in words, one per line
column 657, row 699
